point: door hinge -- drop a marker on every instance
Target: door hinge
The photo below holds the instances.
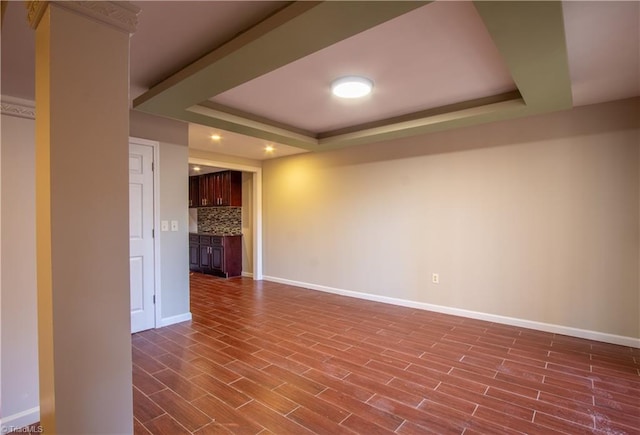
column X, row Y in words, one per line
column 154, row 299
column 153, row 233
column 153, row 166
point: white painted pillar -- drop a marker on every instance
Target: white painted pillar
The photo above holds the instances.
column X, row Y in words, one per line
column 82, row 223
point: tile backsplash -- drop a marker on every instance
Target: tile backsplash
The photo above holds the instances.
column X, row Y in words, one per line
column 220, row 220
column 193, row 220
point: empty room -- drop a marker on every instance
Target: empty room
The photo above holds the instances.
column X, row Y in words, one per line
column 358, row 217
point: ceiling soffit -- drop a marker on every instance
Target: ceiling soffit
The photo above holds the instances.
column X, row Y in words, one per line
column 528, row 35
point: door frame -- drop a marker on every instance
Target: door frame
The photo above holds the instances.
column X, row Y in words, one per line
column 157, row 287
column 257, row 205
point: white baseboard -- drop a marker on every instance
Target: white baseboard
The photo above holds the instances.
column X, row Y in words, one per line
column 523, row 323
column 20, row 420
column 247, row 274
column 174, row 319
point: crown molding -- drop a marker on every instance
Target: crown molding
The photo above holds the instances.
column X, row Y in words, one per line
column 17, row 107
column 118, row 14
column 35, row 11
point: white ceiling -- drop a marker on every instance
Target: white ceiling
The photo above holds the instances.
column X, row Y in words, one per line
column 603, row 45
column 435, row 55
column 18, row 53
column 172, row 34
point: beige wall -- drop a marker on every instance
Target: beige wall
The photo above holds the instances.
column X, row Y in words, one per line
column 18, row 327
column 174, row 245
column 247, row 223
column 535, row 219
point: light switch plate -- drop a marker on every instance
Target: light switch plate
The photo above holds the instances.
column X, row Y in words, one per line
column 174, row 225
column 164, row 225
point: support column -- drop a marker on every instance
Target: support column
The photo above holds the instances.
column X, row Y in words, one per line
column 82, row 218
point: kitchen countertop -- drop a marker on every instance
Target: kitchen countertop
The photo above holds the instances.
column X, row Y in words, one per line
column 203, row 233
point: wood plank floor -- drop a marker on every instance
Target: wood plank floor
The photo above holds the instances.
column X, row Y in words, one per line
column 266, row 358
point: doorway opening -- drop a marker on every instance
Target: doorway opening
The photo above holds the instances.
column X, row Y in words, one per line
column 251, row 213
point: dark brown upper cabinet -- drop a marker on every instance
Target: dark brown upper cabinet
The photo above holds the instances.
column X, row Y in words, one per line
column 218, row 189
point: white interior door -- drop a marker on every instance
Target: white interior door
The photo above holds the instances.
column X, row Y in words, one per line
column 141, row 251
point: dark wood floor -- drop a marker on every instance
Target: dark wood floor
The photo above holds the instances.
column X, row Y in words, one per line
column 267, row 358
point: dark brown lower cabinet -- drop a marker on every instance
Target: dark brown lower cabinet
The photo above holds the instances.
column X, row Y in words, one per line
column 194, row 252
column 216, row 255
column 205, row 257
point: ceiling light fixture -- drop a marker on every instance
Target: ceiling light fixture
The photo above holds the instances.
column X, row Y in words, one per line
column 269, row 148
column 196, row 168
column 351, row 87
column 216, row 137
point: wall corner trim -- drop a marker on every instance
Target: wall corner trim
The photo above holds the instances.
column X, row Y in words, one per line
column 120, row 15
column 17, row 107
column 512, row 321
column 166, row 321
column 19, row 420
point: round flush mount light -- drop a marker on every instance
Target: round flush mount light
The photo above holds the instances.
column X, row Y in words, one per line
column 351, row 87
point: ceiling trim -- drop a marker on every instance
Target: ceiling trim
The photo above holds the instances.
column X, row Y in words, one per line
column 252, row 127
column 202, row 115
column 423, row 117
column 120, row 15
column 400, row 126
column 17, row 107
column 3, row 7
column 460, row 117
column 239, row 114
column 529, row 35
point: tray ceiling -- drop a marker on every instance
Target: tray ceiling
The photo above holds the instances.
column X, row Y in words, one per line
column 435, row 65
column 261, row 70
column 437, row 55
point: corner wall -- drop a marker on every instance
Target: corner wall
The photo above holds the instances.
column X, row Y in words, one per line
column 535, row 219
column 18, row 297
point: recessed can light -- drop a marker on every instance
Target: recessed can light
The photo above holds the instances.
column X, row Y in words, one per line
column 196, row 168
column 216, row 137
column 269, row 148
column 351, row 87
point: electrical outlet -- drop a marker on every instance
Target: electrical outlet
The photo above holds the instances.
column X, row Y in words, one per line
column 164, row 225
column 435, row 278
column 174, row 225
